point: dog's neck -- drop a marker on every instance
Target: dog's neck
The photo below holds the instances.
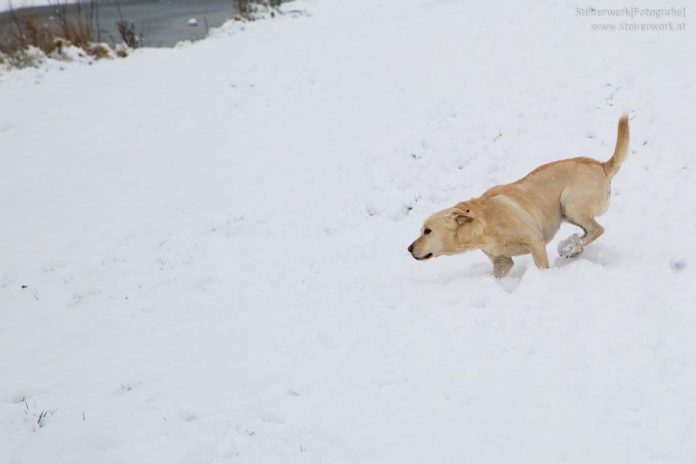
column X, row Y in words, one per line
column 470, row 235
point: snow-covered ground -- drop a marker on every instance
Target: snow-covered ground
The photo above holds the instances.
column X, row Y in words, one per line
column 204, row 248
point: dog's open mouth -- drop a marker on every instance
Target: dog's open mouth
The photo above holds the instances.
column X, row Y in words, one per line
column 429, row 255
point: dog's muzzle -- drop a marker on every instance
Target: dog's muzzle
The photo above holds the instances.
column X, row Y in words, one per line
column 421, row 258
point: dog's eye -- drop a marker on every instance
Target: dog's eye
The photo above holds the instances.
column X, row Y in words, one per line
column 427, row 231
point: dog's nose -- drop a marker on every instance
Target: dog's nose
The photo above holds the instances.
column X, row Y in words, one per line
column 410, row 248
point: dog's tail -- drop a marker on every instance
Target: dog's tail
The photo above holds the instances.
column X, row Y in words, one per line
column 612, row 166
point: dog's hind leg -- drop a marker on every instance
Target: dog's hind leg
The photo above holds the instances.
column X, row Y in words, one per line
column 501, row 265
column 581, row 211
column 574, row 245
column 591, row 227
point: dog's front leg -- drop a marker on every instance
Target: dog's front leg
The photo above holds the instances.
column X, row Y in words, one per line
column 538, row 250
column 501, row 265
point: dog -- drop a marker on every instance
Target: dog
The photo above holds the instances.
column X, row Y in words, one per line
column 522, row 217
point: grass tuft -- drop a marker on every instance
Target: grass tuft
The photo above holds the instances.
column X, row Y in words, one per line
column 30, row 38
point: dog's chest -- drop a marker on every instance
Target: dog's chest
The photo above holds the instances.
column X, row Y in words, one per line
column 505, row 247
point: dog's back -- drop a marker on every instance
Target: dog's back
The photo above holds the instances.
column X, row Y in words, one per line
column 567, row 188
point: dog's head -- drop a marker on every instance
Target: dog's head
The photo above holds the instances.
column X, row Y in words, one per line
column 448, row 232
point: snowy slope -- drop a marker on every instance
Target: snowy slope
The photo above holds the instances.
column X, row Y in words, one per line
column 204, row 248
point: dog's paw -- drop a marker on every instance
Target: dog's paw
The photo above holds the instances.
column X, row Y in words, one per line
column 570, row 247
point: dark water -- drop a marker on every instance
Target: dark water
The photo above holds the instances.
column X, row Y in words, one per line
column 160, row 23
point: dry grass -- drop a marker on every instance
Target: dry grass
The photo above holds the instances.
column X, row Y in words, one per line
column 246, row 8
column 126, row 29
column 71, row 25
column 249, row 8
column 75, row 26
column 28, row 29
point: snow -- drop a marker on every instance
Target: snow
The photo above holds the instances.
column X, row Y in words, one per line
column 204, row 248
column 16, row 4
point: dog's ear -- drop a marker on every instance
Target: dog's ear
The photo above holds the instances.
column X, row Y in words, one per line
column 462, row 213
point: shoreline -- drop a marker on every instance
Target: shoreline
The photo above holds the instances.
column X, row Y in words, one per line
column 155, row 24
